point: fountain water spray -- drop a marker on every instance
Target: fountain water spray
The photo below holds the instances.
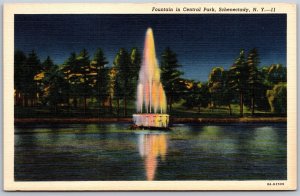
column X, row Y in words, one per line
column 151, row 101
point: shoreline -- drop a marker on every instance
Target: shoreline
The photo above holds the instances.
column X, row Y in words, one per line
column 129, row 120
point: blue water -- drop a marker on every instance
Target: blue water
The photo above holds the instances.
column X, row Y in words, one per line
column 113, row 152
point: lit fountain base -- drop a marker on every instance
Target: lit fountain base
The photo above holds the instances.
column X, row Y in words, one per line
column 154, row 121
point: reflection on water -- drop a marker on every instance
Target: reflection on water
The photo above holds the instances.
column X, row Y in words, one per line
column 113, row 152
column 151, row 147
column 213, row 139
column 265, row 138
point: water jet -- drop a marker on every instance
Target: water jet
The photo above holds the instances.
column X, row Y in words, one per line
column 151, row 101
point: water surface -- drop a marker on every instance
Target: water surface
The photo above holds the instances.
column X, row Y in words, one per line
column 113, row 152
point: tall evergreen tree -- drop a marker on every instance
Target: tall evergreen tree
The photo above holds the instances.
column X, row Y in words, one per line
column 254, row 77
column 46, row 68
column 72, row 76
column 227, row 92
column 122, row 86
column 47, row 64
column 19, row 76
column 85, row 73
column 125, row 68
column 135, row 64
column 101, row 78
column 31, row 69
column 55, row 85
column 238, row 74
column 170, row 75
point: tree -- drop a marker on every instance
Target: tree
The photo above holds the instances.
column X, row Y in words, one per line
column 238, row 75
column 271, row 75
column 101, row 78
column 254, row 76
column 216, row 85
column 80, row 74
column 219, row 88
column 19, row 76
column 86, row 82
column 112, row 80
column 203, row 99
column 261, row 100
column 170, row 75
column 72, row 76
column 277, row 98
column 47, row 64
column 276, row 73
column 54, row 87
column 123, row 77
column 135, row 64
column 122, row 64
column 31, row 69
column 197, row 95
column 227, row 92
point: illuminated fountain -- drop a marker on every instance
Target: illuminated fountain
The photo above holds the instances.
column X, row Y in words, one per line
column 151, row 98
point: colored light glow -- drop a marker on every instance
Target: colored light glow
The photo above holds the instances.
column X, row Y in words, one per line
column 152, row 146
column 150, row 92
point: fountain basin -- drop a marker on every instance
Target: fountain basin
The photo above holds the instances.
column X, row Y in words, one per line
column 151, row 120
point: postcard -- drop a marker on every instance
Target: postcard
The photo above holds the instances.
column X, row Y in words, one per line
column 186, row 96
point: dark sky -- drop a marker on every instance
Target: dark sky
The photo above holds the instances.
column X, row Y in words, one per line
column 201, row 41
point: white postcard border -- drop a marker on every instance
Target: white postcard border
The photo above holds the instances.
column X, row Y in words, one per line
column 136, row 8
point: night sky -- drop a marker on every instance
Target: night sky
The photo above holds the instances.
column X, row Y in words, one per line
column 200, row 41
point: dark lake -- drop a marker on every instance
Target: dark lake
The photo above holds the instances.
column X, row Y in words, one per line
column 113, row 152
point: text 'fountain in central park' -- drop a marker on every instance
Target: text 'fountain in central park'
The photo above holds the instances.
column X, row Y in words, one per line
column 151, row 98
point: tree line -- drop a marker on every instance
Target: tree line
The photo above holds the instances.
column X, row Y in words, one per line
column 247, row 83
column 79, row 79
column 84, row 79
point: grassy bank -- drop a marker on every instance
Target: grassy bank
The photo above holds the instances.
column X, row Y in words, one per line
column 129, row 120
column 93, row 112
column 179, row 114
